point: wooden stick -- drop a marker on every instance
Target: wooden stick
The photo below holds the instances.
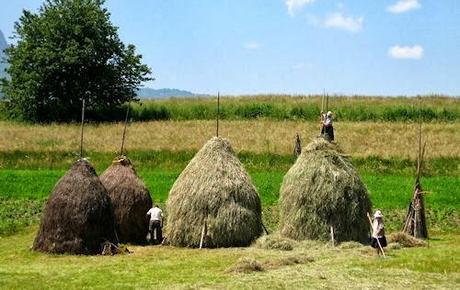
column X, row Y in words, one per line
column 81, row 130
column 321, row 113
column 218, row 113
column 124, row 131
column 332, row 236
column 378, row 242
column 265, row 229
column 203, row 230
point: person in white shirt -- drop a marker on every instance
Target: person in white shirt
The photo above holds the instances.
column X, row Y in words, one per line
column 378, row 233
column 156, row 224
column 327, row 129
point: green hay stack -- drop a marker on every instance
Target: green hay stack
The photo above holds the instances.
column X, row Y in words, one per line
column 78, row 216
column 214, row 190
column 130, row 199
column 323, row 189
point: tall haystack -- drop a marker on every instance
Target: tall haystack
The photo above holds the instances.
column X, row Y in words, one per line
column 214, row 198
column 78, row 215
column 130, row 199
column 323, row 190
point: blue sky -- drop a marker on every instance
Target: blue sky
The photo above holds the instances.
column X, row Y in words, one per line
column 377, row 47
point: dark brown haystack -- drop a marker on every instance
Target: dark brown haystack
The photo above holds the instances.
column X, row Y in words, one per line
column 214, row 197
column 78, row 216
column 130, row 199
column 323, row 189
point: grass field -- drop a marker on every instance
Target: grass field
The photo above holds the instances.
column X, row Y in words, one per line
column 359, row 139
column 34, row 157
column 310, row 265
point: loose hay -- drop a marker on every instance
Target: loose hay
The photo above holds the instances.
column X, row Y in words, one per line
column 406, row 240
column 130, row 199
column 350, row 245
column 275, row 242
column 214, row 188
column 323, row 189
column 245, row 265
column 78, row 216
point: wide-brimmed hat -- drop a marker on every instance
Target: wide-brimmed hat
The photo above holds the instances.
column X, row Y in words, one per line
column 378, row 214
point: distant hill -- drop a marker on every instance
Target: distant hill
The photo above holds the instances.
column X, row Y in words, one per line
column 148, row 93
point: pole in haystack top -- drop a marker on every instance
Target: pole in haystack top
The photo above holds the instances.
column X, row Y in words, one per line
column 218, row 113
column 322, row 112
column 124, row 131
column 81, row 129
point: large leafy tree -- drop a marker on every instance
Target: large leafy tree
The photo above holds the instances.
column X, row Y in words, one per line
column 68, row 51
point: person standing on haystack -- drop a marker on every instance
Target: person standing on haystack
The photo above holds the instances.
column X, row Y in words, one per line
column 327, row 129
column 155, row 224
column 379, row 240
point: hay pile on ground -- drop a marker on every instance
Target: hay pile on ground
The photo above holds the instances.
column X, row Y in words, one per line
column 406, row 240
column 275, row 242
column 78, row 216
column 214, row 190
column 130, row 200
column 323, row 189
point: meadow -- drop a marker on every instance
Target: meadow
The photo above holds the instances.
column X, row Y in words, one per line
column 34, row 156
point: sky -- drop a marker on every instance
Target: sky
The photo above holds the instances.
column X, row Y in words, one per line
column 372, row 47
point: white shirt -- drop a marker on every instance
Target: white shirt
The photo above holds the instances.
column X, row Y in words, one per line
column 328, row 121
column 155, row 214
column 377, row 229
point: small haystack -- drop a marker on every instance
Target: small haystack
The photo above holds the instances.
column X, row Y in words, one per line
column 130, row 199
column 78, row 216
column 323, row 189
column 214, row 198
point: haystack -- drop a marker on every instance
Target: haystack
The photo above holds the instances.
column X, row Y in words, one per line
column 130, row 199
column 215, row 198
column 78, row 216
column 323, row 189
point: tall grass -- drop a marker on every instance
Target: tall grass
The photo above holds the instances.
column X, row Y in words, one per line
column 305, row 108
column 362, row 139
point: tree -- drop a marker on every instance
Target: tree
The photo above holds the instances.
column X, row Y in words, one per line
column 68, row 51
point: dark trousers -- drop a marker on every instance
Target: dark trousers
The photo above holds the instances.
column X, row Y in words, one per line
column 155, row 226
column 329, row 131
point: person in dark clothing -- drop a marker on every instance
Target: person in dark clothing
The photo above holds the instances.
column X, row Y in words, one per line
column 327, row 129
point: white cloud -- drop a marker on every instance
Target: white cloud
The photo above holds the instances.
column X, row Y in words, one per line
column 340, row 21
column 406, row 52
column 251, row 45
column 403, row 6
column 295, row 5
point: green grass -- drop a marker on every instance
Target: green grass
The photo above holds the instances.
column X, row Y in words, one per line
column 388, row 192
column 256, row 162
column 283, row 107
column 172, row 268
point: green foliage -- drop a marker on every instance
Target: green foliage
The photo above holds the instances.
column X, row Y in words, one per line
column 67, row 52
column 298, row 108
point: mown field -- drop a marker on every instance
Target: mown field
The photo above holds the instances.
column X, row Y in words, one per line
column 34, row 157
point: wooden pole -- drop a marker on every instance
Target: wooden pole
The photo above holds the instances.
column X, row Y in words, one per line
column 218, row 113
column 322, row 113
column 332, row 236
column 124, row 131
column 81, row 129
